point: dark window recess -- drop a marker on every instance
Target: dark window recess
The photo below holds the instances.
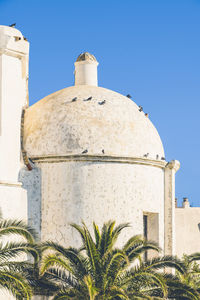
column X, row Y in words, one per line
column 145, row 224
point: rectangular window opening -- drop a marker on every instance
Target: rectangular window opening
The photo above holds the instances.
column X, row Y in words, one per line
column 150, row 231
column 145, row 232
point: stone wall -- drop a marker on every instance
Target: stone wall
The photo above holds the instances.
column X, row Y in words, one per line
column 73, row 191
column 187, row 222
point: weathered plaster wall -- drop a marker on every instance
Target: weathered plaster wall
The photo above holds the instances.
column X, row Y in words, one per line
column 97, row 191
column 13, row 205
column 13, row 201
column 187, row 222
column 169, row 217
column 13, row 96
column 31, row 183
column 56, row 125
column 10, row 118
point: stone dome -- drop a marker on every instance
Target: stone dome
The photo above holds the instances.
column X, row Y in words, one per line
column 91, row 118
column 86, row 56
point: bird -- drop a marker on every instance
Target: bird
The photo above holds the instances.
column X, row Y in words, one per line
column 140, row 108
column 129, row 96
column 88, row 99
column 85, row 151
column 162, row 158
column 103, row 151
column 102, row 102
column 146, row 155
column 146, row 115
column 12, row 25
column 157, row 156
column 74, row 99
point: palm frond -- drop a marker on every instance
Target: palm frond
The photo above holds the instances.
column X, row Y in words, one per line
column 15, row 227
column 14, row 249
column 97, row 234
column 77, row 260
column 163, row 262
column 91, row 249
column 15, row 283
column 52, row 260
column 179, row 289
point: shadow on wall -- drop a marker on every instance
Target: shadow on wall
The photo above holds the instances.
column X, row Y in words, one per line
column 31, row 182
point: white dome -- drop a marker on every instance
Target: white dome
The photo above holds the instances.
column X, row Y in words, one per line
column 58, row 125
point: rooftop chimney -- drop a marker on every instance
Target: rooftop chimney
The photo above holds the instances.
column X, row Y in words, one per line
column 86, row 70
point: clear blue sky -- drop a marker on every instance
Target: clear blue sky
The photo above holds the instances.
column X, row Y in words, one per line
column 147, row 48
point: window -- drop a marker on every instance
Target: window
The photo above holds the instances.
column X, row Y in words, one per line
column 145, row 226
column 151, row 231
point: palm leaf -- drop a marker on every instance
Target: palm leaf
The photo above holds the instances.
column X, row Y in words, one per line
column 15, row 283
column 52, row 260
column 8, row 227
column 97, row 234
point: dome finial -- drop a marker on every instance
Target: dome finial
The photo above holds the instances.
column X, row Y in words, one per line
column 86, row 69
column 86, row 56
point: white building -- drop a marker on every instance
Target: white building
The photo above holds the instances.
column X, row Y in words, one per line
column 83, row 153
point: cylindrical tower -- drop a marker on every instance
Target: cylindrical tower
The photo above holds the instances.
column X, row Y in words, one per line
column 86, row 70
column 99, row 158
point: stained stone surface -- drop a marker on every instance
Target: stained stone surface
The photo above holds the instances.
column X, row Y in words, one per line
column 56, row 125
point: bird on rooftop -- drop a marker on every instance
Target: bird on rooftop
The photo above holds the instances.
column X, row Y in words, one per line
column 146, row 155
column 12, row 25
column 85, row 151
column 140, row 108
column 129, row 96
column 88, row 99
column 74, row 99
column 102, row 102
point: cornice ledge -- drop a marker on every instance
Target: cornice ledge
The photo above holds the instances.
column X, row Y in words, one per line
column 10, row 183
column 12, row 53
column 99, row 158
column 173, row 164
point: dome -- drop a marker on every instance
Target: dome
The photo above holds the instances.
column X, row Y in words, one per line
column 86, row 56
column 90, row 118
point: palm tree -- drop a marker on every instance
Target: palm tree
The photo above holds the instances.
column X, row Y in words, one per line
column 191, row 276
column 41, row 285
column 12, row 256
column 100, row 271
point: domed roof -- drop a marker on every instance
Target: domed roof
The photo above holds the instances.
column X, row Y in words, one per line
column 86, row 56
column 89, row 118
